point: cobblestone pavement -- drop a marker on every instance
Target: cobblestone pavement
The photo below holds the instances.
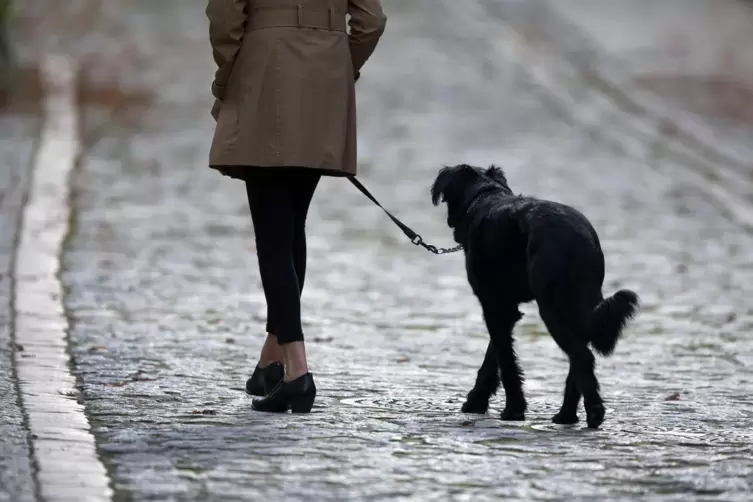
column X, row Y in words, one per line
column 167, row 311
column 16, row 148
column 691, row 53
column 676, row 66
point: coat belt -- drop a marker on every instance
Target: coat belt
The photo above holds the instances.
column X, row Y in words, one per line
column 296, row 17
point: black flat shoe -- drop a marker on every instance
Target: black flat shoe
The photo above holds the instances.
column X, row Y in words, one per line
column 297, row 396
column 263, row 380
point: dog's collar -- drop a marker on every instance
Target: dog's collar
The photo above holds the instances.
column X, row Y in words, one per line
column 474, row 202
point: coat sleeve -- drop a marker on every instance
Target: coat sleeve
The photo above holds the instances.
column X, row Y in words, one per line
column 367, row 22
column 227, row 22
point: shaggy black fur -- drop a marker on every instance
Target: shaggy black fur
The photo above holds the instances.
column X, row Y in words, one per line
column 519, row 249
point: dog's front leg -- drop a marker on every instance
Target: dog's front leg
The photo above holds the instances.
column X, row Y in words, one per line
column 500, row 321
column 487, row 383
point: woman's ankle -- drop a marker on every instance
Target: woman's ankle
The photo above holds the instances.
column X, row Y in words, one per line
column 294, row 374
column 294, row 357
column 271, row 352
column 266, row 363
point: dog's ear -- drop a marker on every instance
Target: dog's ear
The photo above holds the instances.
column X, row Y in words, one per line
column 497, row 174
column 441, row 184
column 447, row 179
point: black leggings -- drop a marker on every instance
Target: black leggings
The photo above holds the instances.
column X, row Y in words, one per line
column 279, row 199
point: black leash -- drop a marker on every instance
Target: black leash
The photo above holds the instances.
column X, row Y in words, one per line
column 410, row 233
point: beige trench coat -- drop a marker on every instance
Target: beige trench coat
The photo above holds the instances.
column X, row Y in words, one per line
column 285, row 78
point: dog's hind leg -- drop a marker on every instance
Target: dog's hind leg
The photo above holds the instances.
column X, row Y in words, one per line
column 487, row 383
column 566, row 327
column 568, row 413
column 500, row 320
column 582, row 360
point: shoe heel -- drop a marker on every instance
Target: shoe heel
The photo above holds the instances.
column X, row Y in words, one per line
column 302, row 404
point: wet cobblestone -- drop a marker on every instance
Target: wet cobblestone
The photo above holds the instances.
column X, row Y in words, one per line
column 614, row 68
column 167, row 311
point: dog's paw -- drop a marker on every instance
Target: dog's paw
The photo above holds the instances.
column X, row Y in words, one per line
column 595, row 415
column 477, row 406
column 512, row 415
column 565, row 418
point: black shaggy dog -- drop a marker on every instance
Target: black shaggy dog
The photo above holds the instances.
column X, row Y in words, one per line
column 519, row 249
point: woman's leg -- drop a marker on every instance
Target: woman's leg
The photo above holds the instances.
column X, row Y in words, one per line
column 303, row 185
column 271, row 202
column 261, row 214
column 279, row 205
column 303, row 191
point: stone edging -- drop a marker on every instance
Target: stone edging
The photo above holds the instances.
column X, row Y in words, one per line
column 62, row 444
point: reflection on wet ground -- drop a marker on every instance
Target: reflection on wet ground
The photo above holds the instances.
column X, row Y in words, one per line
column 167, row 310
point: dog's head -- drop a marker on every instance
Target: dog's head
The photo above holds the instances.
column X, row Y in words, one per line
column 459, row 186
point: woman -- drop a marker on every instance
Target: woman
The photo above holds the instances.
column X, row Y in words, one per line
column 285, row 111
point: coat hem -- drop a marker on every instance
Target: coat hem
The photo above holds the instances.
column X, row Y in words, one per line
column 243, row 173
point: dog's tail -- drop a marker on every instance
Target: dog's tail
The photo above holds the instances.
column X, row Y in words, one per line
column 609, row 318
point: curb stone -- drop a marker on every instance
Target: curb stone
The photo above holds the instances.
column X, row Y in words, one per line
column 19, row 135
column 62, row 445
